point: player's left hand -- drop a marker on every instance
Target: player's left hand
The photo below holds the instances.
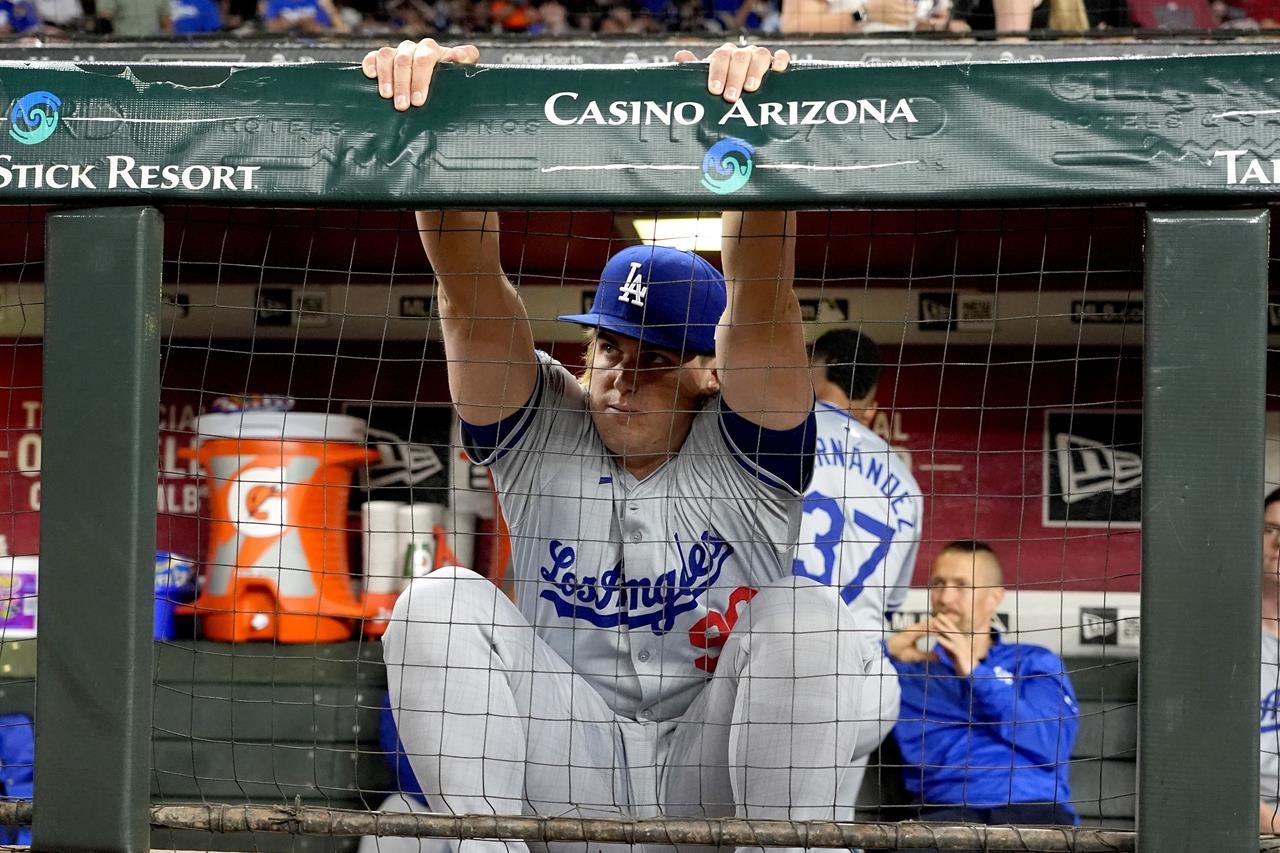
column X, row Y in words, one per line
column 735, row 70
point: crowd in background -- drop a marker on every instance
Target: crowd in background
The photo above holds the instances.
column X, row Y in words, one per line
column 417, row 18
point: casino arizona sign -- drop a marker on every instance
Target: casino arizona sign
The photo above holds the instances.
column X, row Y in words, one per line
column 564, row 109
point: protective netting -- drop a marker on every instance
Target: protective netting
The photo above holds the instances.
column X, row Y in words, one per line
column 1269, row 698
column 311, row 464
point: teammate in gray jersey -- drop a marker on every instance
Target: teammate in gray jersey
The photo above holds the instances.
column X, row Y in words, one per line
column 863, row 511
column 1269, row 712
column 661, row 657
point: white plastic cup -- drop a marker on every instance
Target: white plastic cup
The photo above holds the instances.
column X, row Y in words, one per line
column 380, row 532
column 416, row 540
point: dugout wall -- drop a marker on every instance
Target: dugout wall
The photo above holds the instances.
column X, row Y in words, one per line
column 1188, row 134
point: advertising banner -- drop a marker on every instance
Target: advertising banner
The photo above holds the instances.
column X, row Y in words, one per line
column 818, row 134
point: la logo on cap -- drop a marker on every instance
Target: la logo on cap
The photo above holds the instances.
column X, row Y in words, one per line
column 634, row 289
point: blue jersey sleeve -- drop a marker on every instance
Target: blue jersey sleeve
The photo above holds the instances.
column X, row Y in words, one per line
column 488, row 443
column 785, row 454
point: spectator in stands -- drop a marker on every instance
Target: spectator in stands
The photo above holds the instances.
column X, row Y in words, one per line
column 986, row 727
column 1269, row 716
column 512, row 16
column 64, row 15
column 850, row 16
column 1005, row 16
column 618, row 18
column 415, row 18
column 476, row 18
column 238, row 13
column 691, row 17
column 19, row 17
column 135, row 18
column 191, row 17
column 746, row 15
column 306, row 16
column 553, row 20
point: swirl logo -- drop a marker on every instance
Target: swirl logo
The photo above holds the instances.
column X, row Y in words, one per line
column 727, row 166
column 34, row 117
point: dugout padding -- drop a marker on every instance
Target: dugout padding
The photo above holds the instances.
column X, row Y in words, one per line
column 252, row 723
column 269, row 724
column 915, row 135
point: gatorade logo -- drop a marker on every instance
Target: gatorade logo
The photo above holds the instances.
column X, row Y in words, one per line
column 256, row 502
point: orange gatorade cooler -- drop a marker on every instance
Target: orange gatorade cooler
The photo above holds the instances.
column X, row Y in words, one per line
column 276, row 562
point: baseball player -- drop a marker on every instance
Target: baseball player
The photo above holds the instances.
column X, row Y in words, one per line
column 660, row 658
column 1269, row 706
column 863, row 510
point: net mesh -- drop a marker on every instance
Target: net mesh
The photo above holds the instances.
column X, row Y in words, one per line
column 1010, row 392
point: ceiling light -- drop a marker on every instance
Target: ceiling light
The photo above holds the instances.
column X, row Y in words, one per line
column 692, row 234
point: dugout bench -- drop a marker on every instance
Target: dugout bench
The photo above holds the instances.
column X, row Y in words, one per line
column 271, row 724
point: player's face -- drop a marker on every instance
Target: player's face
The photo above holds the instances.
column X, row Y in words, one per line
column 643, row 400
column 964, row 586
column 1271, row 542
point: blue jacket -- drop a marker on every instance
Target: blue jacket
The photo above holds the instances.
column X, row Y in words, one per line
column 19, row 15
column 295, row 11
column 1001, row 736
column 195, row 16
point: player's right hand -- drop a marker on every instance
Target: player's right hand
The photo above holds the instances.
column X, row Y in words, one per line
column 404, row 72
column 902, row 644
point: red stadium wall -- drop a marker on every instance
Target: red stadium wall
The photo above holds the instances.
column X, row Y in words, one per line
column 972, row 419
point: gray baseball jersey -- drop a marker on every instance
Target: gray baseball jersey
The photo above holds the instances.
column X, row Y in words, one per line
column 862, row 516
column 1269, row 719
column 636, row 584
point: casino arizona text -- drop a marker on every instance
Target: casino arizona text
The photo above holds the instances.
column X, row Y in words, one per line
column 123, row 172
column 563, row 109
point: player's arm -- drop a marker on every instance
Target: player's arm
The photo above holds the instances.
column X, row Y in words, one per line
column 764, row 373
column 487, row 338
column 488, row 343
column 764, row 369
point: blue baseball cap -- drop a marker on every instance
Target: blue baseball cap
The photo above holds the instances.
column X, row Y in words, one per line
column 660, row 296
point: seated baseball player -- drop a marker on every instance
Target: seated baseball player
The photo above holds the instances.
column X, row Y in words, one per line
column 986, row 726
column 660, row 657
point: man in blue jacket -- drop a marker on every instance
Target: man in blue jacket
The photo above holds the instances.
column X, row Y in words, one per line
column 986, row 726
